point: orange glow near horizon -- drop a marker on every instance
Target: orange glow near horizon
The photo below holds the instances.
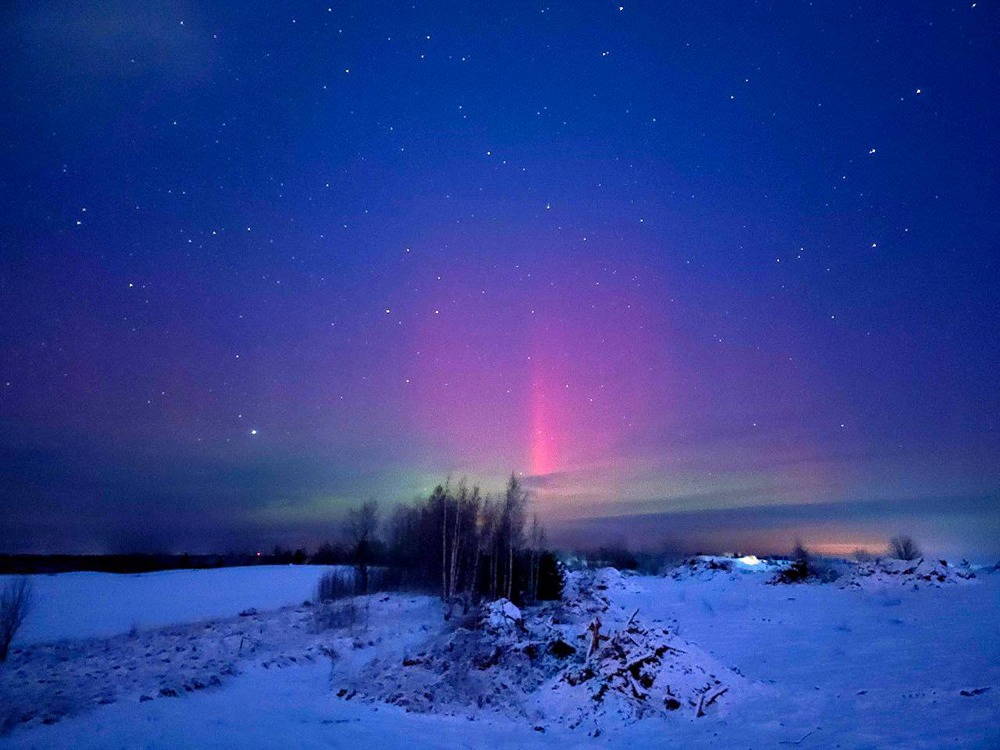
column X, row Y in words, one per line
column 847, row 549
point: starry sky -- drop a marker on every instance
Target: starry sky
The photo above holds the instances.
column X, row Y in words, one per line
column 711, row 275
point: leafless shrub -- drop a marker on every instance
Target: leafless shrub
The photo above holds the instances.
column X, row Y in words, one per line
column 335, row 616
column 16, row 601
column 340, row 584
column 903, row 547
column 335, row 584
column 805, row 566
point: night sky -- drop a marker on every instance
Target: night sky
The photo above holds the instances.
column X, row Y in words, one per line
column 710, row 274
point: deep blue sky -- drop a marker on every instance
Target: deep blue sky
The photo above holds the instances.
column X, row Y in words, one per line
column 719, row 274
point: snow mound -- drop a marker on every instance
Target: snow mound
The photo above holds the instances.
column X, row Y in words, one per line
column 613, row 578
column 639, row 672
column 533, row 664
column 707, row 567
column 590, row 592
column 503, row 616
column 493, row 659
column 915, row 574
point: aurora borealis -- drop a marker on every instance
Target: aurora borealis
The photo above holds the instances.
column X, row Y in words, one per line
column 712, row 275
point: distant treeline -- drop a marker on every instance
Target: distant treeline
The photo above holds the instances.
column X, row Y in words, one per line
column 457, row 541
column 146, row 562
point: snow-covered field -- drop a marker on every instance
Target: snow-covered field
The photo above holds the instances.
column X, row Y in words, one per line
column 710, row 655
column 93, row 605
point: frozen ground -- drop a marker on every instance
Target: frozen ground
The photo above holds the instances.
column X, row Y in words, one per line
column 879, row 665
column 92, row 605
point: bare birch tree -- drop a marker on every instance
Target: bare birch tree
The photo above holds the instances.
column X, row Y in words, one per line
column 362, row 524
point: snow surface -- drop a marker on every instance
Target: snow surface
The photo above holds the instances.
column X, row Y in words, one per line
column 811, row 666
column 92, row 605
column 503, row 615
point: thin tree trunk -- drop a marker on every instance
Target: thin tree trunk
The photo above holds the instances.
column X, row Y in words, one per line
column 444, row 548
column 493, row 569
column 473, row 581
column 455, row 547
column 510, row 566
column 538, row 568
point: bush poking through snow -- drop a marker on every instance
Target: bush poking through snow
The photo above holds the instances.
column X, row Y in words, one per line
column 335, row 584
column 15, row 604
column 336, row 615
column 343, row 582
column 805, row 567
column 903, row 547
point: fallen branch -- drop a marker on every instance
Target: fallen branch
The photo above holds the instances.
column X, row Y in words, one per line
column 795, row 742
column 635, row 663
column 636, row 692
column 719, row 694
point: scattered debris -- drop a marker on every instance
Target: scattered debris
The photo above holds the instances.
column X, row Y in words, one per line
column 638, row 671
column 920, row 573
column 525, row 664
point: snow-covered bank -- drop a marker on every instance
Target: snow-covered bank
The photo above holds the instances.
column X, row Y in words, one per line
column 48, row 682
